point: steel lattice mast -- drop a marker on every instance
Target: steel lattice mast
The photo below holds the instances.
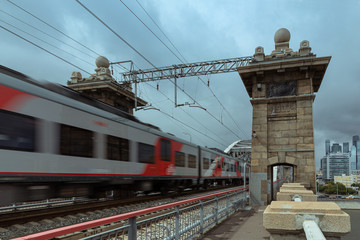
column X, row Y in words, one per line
column 186, row 70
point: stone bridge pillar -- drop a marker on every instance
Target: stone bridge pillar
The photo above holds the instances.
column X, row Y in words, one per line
column 281, row 87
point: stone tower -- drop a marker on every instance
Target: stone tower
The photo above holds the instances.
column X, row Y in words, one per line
column 102, row 86
column 282, row 89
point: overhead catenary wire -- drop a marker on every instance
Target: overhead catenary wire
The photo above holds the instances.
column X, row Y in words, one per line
column 52, row 45
column 218, row 100
column 53, row 54
column 185, row 124
column 74, row 64
column 122, row 39
column 150, row 30
column 56, row 29
column 148, row 61
column 89, row 73
column 89, row 63
column 49, row 25
column 161, row 30
column 45, row 33
column 191, row 116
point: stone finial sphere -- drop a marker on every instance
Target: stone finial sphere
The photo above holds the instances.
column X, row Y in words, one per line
column 282, row 35
column 102, row 62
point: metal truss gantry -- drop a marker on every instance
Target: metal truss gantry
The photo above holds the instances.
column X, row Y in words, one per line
column 186, row 70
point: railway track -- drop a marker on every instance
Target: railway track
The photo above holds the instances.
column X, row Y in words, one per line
column 24, row 222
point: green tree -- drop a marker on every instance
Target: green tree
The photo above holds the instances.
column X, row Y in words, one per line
column 351, row 191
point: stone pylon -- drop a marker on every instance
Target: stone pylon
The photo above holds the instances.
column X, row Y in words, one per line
column 282, row 89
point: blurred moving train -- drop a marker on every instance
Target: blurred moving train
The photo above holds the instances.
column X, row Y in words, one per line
column 56, row 142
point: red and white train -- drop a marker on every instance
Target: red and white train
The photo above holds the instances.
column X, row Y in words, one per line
column 55, row 142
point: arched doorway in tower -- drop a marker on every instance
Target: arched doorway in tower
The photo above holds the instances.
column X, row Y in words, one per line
column 280, row 173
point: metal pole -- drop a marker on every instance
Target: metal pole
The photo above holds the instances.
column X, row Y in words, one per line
column 216, row 210
column 227, row 205
column 244, row 174
column 177, row 223
column 201, row 217
column 135, row 95
column 132, row 228
column 175, row 92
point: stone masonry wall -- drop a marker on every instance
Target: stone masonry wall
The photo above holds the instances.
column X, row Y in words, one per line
column 283, row 128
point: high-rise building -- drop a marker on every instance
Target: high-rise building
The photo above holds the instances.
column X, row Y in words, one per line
column 336, row 148
column 353, row 158
column 335, row 164
column 355, row 139
column 327, row 146
column 346, row 147
column 357, row 145
column 357, row 152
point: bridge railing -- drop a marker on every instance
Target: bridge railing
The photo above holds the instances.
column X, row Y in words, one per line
column 180, row 220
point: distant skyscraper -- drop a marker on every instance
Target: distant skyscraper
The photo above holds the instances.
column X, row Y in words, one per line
column 355, row 139
column 336, row 148
column 357, row 145
column 353, row 158
column 346, row 147
column 335, row 164
column 327, row 146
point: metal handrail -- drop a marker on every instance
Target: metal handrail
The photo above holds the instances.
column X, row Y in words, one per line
column 131, row 228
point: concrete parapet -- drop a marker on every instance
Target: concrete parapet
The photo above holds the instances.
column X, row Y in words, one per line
column 293, row 187
column 289, row 194
column 291, row 190
column 292, row 184
column 284, row 219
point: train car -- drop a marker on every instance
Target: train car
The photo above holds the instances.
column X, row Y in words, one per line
column 55, row 142
column 219, row 168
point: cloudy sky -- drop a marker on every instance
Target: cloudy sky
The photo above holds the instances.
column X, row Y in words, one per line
column 201, row 30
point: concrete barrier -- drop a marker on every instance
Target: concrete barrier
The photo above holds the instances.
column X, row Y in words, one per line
column 284, row 219
column 293, row 187
column 289, row 191
column 289, row 194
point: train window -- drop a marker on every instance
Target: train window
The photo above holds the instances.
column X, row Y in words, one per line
column 165, row 150
column 179, row 159
column 205, row 163
column 146, row 153
column 191, row 161
column 17, row 131
column 76, row 141
column 218, row 163
column 117, row 148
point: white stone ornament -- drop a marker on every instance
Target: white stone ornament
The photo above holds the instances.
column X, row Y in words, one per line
column 102, row 61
